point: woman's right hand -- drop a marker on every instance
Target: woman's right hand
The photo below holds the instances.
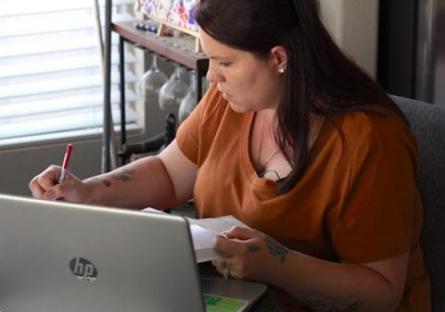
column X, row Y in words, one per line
column 46, row 186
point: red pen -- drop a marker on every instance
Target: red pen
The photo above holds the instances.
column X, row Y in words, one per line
column 66, row 161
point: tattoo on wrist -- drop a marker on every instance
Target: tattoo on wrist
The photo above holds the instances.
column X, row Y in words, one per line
column 106, row 182
column 253, row 247
column 320, row 305
column 276, row 249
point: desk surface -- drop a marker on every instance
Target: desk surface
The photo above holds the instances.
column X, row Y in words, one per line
column 179, row 50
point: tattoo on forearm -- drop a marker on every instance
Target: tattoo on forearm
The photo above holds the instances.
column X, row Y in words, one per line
column 121, row 175
column 253, row 247
column 320, row 305
column 276, row 249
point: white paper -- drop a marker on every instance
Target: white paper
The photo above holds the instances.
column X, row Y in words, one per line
column 204, row 232
column 219, row 224
column 203, row 243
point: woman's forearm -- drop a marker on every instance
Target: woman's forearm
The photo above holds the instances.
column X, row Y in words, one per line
column 140, row 184
column 329, row 286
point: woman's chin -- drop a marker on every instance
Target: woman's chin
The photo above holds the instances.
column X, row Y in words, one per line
column 237, row 108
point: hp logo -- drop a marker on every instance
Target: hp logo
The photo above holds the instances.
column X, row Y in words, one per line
column 83, row 269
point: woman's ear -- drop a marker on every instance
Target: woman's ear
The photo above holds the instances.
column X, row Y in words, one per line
column 279, row 58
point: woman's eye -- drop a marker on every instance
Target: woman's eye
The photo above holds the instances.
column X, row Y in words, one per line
column 224, row 64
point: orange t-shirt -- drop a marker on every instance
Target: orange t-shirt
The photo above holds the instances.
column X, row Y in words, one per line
column 356, row 202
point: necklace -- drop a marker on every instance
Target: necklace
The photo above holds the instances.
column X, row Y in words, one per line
column 261, row 170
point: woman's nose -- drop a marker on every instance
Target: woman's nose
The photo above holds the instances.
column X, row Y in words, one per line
column 213, row 76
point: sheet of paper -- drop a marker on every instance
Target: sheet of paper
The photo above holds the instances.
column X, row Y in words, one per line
column 219, row 224
column 153, row 210
column 203, row 243
column 204, row 232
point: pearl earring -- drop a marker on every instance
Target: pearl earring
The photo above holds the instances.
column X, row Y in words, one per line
column 281, row 70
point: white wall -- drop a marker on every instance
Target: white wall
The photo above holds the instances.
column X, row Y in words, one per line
column 354, row 25
column 18, row 166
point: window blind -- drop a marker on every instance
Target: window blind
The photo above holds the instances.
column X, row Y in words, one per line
column 50, row 70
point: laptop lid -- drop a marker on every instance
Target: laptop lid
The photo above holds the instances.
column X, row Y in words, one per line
column 57, row 256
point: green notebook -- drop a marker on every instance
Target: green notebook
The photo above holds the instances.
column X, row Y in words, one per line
column 223, row 304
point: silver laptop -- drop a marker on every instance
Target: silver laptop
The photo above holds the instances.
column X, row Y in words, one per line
column 60, row 257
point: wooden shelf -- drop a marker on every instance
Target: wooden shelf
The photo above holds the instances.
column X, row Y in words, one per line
column 179, row 50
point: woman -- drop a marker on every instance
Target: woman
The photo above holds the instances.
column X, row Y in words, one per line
column 298, row 143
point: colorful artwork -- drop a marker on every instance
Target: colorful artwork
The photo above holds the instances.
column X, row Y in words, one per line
column 176, row 13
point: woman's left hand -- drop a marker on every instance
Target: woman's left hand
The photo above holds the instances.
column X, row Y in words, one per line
column 248, row 254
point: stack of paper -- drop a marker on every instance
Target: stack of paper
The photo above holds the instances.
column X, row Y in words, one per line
column 204, row 232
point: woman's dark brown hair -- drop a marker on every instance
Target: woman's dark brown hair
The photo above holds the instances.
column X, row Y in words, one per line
column 319, row 77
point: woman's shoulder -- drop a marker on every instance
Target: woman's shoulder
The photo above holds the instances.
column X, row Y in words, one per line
column 374, row 129
column 371, row 121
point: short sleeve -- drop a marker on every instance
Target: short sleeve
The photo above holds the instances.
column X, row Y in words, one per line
column 188, row 136
column 191, row 136
column 376, row 219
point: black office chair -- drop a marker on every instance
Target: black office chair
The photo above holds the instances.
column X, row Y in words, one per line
column 428, row 124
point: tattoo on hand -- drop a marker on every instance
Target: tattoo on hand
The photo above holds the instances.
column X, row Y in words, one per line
column 106, row 182
column 319, row 305
column 253, row 247
column 276, row 249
